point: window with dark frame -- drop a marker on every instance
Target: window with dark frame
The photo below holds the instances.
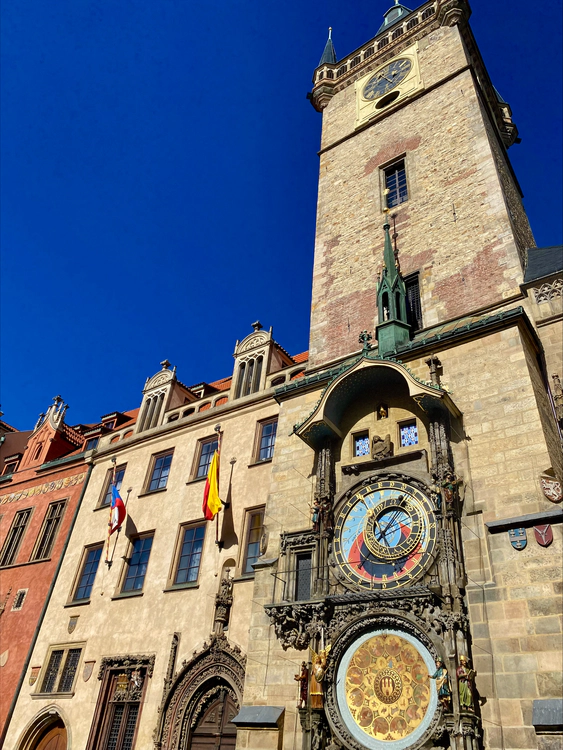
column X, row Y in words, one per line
column 49, row 530
column 19, row 599
column 137, row 564
column 414, row 306
column 206, row 450
column 189, row 555
column 396, row 183
column 119, row 705
column 255, row 529
column 15, row 535
column 268, row 431
column 90, row 563
column 160, row 472
column 119, row 474
column 303, row 576
column 10, row 468
column 61, row 670
column 92, row 443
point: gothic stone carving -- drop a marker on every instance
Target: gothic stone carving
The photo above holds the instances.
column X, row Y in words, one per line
column 218, row 664
column 127, row 661
column 548, row 291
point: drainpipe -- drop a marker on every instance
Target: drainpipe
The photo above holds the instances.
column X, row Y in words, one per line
column 44, row 610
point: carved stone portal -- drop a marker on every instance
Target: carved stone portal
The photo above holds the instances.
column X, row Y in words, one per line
column 216, row 670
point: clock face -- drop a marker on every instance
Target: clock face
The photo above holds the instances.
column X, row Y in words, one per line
column 384, row 692
column 385, row 535
column 387, row 78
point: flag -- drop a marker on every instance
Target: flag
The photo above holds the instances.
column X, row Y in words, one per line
column 118, row 512
column 211, row 501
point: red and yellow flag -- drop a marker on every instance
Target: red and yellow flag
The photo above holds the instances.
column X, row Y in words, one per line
column 211, row 501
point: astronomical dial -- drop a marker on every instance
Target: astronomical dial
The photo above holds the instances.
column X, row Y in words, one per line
column 385, row 535
column 387, row 78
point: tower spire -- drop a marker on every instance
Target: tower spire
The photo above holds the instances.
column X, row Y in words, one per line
column 329, row 55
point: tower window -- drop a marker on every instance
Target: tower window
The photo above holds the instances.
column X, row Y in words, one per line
column 303, row 576
column 341, row 70
column 396, row 184
column 368, row 52
column 412, row 23
column 383, row 43
column 427, row 13
column 414, row 307
column 397, row 33
column 355, row 61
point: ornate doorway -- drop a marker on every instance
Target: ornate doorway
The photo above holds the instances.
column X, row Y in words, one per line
column 214, row 730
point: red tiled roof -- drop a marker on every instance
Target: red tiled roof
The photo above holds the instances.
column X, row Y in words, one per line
column 298, row 358
column 132, row 414
column 222, row 385
column 72, row 435
column 7, row 426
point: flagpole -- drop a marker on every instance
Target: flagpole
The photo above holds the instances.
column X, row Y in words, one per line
column 219, row 440
column 110, row 562
column 114, row 462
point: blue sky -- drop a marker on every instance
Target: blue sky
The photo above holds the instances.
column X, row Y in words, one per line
column 159, row 174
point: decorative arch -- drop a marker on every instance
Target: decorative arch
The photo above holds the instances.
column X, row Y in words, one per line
column 46, row 722
column 215, row 674
column 352, row 380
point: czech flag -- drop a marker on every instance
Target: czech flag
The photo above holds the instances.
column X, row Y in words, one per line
column 118, row 512
column 211, row 501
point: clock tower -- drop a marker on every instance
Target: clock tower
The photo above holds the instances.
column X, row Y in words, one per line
column 424, row 421
column 412, row 123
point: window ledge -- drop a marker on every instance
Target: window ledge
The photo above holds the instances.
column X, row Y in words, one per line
column 197, row 479
column 151, row 492
column 259, row 463
column 22, row 564
column 36, row 696
column 127, row 595
column 181, row 587
column 80, row 603
column 103, row 507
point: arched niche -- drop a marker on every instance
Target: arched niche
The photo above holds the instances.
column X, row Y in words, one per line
column 212, row 679
column 369, row 381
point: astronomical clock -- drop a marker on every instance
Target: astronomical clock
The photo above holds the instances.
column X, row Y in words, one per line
column 382, row 614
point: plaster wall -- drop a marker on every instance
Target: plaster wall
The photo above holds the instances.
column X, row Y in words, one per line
column 110, row 625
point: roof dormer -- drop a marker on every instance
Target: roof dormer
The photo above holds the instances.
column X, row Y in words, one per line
column 161, row 392
column 256, row 357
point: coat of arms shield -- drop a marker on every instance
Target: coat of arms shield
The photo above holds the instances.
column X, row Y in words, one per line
column 552, row 489
column 544, row 535
column 88, row 669
column 518, row 538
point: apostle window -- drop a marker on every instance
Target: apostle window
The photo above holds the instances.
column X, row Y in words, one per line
column 207, row 448
column 88, row 570
column 61, row 670
column 15, row 535
column 137, row 563
column 188, row 556
column 266, row 439
column 49, row 530
column 106, row 493
column 159, row 472
column 254, row 531
column 395, row 184
column 408, row 433
column 361, row 444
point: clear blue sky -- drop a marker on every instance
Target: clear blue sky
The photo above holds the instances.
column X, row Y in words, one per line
column 159, row 177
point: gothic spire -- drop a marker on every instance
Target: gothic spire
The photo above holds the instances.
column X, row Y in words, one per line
column 390, row 270
column 329, row 55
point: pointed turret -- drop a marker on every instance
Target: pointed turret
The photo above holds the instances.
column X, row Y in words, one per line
column 393, row 329
column 329, row 55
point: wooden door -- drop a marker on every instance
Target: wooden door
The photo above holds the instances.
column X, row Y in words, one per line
column 214, row 730
column 54, row 738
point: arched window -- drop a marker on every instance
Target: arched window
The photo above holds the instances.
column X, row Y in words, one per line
column 341, row 70
column 240, row 379
column 368, row 52
column 397, row 33
column 412, row 23
column 427, row 13
column 330, row 74
column 383, row 43
column 355, row 61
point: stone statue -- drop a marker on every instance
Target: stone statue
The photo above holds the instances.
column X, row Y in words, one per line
column 466, row 683
column 443, row 685
column 303, row 679
column 381, row 448
column 436, row 493
column 450, row 485
column 316, row 515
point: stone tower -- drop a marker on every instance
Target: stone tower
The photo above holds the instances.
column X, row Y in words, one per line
column 412, row 122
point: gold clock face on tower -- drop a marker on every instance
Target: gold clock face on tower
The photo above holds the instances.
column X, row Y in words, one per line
column 387, row 78
column 385, row 535
column 384, row 691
